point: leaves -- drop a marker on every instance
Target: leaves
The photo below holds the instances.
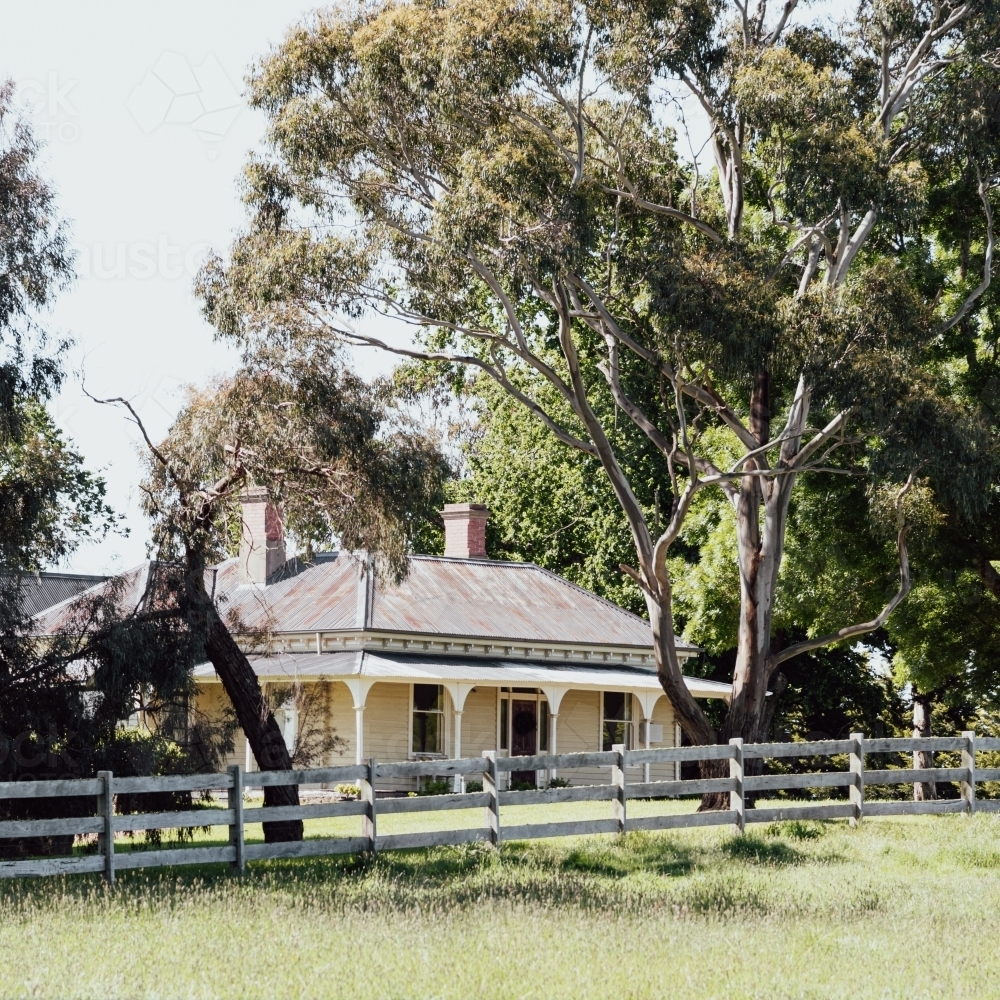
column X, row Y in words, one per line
column 342, row 463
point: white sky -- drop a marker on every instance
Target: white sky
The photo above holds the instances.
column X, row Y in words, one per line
column 146, row 137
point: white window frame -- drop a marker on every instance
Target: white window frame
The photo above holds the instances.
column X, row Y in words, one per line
column 410, row 753
column 629, row 722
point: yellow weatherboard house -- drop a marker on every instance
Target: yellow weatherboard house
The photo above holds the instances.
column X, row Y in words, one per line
column 467, row 654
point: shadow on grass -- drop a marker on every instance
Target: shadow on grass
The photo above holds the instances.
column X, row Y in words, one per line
column 760, row 851
column 635, row 852
column 639, row 872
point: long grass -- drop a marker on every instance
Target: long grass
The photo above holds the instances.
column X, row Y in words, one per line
column 897, row 908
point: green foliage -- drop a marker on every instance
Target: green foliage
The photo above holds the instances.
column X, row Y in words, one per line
column 340, row 459
column 49, row 501
column 549, row 505
column 64, row 699
column 500, row 176
column 37, row 263
column 947, row 639
column 435, row 786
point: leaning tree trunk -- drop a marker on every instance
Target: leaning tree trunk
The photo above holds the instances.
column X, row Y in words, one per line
column 254, row 714
column 923, row 791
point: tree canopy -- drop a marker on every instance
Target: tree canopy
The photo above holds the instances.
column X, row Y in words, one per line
column 506, row 178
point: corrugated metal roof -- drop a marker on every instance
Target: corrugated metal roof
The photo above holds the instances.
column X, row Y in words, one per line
column 478, row 599
column 404, row 667
column 314, row 597
column 40, row 591
column 292, row 665
column 59, row 616
column 482, row 599
column 501, row 600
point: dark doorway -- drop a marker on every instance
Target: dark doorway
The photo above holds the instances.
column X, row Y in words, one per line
column 523, row 736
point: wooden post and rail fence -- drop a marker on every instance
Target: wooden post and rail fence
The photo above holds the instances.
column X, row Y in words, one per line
column 237, row 814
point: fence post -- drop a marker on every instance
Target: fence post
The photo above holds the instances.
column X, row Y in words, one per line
column 106, row 808
column 368, row 826
column 236, row 836
column 736, row 795
column 969, row 762
column 618, row 780
column 493, row 805
column 857, row 789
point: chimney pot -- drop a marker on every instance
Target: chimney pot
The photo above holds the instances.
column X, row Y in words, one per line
column 465, row 530
column 262, row 543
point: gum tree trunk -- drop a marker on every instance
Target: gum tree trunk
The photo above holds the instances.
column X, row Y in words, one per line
column 923, row 791
column 756, row 596
column 241, row 684
column 760, row 543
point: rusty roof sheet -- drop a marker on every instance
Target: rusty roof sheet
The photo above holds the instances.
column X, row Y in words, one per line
column 501, row 600
column 305, row 597
column 480, row 599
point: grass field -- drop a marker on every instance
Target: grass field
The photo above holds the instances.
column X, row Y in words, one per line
column 898, row 908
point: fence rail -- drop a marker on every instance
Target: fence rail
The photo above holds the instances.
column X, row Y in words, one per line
column 738, row 786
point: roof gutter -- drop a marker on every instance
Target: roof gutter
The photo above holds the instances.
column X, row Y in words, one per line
column 493, row 648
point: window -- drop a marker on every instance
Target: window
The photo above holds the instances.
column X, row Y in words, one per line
column 616, row 725
column 428, row 718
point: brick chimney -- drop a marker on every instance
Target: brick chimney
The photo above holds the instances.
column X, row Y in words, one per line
column 262, row 545
column 465, row 530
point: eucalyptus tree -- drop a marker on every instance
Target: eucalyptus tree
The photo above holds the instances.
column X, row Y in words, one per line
column 335, row 458
column 504, row 176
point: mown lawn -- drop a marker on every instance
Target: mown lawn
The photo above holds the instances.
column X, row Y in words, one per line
column 898, row 908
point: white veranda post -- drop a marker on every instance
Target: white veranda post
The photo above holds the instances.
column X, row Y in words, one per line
column 359, row 688
column 459, row 692
column 554, row 696
column 647, row 702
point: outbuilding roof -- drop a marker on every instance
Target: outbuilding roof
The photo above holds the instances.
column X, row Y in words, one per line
column 40, row 591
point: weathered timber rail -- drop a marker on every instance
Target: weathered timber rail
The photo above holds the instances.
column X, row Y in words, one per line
column 106, row 823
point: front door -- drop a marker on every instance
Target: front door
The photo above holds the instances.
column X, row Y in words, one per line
column 523, row 736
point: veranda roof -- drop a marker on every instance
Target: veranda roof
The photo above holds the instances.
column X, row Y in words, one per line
column 493, row 673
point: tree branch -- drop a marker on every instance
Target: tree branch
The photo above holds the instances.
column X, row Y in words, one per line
column 709, row 399
column 809, row 449
column 674, row 213
column 987, row 265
